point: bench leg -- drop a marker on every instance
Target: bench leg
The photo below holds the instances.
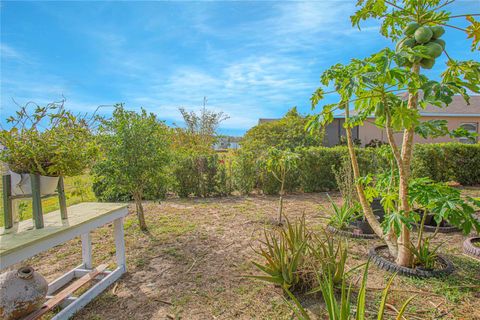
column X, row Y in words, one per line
column 120, row 244
column 87, row 250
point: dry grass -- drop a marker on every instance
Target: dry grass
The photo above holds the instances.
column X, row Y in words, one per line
column 190, row 265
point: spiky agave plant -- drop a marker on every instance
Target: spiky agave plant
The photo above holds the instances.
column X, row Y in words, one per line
column 341, row 308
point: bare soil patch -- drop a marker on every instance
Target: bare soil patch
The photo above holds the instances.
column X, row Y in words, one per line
column 191, row 262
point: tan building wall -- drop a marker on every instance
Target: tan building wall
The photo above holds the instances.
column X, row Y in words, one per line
column 369, row 131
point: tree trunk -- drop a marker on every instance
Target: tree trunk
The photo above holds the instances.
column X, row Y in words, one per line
column 404, row 257
column 280, row 202
column 367, row 209
column 140, row 214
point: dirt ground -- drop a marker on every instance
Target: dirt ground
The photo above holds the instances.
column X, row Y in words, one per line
column 192, row 262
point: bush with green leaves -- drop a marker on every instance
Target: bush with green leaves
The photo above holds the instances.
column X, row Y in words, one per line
column 285, row 133
column 136, row 148
column 244, row 171
column 48, row 140
column 202, row 175
column 448, row 162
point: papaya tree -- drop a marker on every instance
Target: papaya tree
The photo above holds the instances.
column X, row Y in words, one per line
column 391, row 86
column 279, row 163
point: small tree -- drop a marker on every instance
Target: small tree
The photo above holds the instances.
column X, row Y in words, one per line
column 200, row 132
column 279, row 163
column 136, row 149
column 378, row 84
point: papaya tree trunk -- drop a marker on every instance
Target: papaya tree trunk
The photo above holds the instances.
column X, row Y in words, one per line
column 280, row 201
column 140, row 214
column 389, row 238
column 404, row 257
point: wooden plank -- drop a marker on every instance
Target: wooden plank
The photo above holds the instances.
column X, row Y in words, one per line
column 89, row 295
column 62, row 295
column 79, row 214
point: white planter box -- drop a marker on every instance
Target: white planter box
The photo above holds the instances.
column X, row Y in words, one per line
column 21, row 184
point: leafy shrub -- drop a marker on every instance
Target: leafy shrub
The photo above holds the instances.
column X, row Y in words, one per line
column 285, row 133
column 201, row 175
column 315, row 166
column 448, row 161
column 244, row 171
column 48, row 140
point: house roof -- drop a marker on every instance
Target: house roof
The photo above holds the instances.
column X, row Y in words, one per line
column 458, row 108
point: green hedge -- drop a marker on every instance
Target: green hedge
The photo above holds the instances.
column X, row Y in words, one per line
column 448, row 162
column 315, row 169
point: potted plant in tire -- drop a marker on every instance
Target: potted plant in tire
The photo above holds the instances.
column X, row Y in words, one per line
column 47, row 141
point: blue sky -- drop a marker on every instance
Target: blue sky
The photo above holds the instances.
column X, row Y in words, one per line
column 251, row 59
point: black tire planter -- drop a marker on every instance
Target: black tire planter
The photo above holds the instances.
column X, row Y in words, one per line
column 377, row 209
column 350, row 234
column 431, row 226
column 428, row 228
column 470, row 249
column 385, row 264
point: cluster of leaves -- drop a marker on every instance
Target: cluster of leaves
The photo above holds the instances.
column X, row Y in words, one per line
column 201, row 175
column 344, row 214
column 285, row 133
column 48, row 140
column 339, row 306
column 293, row 254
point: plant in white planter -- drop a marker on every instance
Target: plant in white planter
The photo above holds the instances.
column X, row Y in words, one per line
column 48, row 141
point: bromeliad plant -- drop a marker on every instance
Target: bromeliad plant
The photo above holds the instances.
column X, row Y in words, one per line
column 48, row 140
column 390, row 86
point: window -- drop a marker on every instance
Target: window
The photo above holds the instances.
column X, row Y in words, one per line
column 471, row 127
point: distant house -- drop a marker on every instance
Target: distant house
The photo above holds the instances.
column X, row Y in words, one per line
column 227, row 142
column 458, row 114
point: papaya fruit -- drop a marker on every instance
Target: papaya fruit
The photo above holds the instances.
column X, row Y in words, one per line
column 409, row 42
column 440, row 42
column 427, row 63
column 423, row 35
column 438, row 31
column 434, row 50
column 410, row 29
column 405, row 42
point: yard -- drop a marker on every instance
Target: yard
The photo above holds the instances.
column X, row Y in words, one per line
column 192, row 261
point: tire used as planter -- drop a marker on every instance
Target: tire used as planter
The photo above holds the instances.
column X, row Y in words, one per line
column 470, row 248
column 350, row 233
column 428, row 228
column 430, row 225
column 385, row 264
column 377, row 209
